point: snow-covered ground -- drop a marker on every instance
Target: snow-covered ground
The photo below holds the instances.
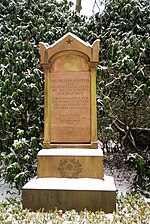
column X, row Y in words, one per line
column 123, row 178
column 7, row 192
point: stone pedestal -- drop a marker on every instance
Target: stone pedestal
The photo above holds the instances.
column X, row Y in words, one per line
column 70, row 193
column 70, row 163
column 70, row 179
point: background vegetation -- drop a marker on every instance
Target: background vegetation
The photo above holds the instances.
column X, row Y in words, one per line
column 122, row 80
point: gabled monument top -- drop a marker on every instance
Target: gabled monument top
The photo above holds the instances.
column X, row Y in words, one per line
column 72, row 43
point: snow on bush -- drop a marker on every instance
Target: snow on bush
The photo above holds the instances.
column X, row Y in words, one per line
column 131, row 208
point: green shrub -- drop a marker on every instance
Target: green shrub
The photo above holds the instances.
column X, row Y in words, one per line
column 20, row 163
column 141, row 181
column 23, row 25
column 123, row 81
column 131, row 209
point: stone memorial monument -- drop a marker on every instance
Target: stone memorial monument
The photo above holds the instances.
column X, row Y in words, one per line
column 70, row 166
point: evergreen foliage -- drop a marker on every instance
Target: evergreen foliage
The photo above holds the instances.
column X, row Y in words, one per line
column 23, row 25
column 123, row 81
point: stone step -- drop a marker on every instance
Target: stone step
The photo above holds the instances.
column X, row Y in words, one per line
column 70, row 193
column 70, row 163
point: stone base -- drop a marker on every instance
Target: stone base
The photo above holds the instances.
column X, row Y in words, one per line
column 70, row 163
column 70, row 193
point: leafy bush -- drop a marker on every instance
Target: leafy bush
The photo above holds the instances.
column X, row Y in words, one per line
column 123, row 73
column 20, row 163
column 123, row 81
column 23, row 25
column 131, row 209
column 141, row 181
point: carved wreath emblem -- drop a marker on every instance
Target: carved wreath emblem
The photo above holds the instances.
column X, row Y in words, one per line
column 69, row 168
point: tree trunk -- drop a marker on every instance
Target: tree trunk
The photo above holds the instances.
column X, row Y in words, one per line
column 78, row 6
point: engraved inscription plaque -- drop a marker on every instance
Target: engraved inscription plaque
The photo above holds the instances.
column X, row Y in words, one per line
column 70, row 107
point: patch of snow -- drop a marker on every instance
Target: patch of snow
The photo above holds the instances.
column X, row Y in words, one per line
column 71, row 152
column 7, row 192
column 123, row 178
column 88, row 184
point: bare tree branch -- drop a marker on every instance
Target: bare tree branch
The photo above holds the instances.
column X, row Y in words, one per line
column 117, row 78
column 95, row 4
column 126, row 131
